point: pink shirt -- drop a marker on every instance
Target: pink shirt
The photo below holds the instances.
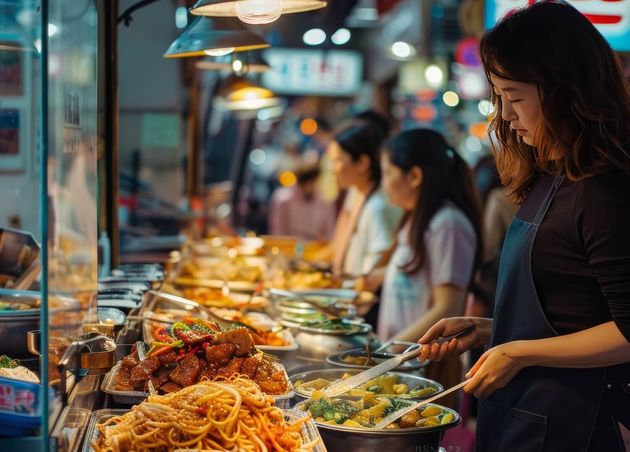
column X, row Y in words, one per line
column 293, row 214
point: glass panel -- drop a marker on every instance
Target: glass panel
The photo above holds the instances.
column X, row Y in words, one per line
column 20, row 234
column 72, row 181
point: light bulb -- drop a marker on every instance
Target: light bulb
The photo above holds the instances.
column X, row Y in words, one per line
column 237, row 65
column 257, row 12
column 219, row 52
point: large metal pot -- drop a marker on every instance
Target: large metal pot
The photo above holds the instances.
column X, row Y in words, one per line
column 417, row 439
column 317, row 344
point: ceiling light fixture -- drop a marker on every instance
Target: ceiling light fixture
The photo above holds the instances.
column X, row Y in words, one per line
column 341, row 36
column 214, row 37
column 239, row 93
column 254, row 11
column 314, row 37
column 245, row 63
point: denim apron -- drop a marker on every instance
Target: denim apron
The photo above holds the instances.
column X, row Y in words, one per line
column 541, row 409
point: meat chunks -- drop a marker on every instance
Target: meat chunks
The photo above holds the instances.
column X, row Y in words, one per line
column 187, row 372
column 241, row 339
column 218, row 355
column 145, row 369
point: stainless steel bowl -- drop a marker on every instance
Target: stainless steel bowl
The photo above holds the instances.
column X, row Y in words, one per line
column 318, row 344
column 347, row 439
column 15, row 323
column 410, row 380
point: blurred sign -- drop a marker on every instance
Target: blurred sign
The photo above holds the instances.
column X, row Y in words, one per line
column 325, row 73
column 160, row 130
column 612, row 18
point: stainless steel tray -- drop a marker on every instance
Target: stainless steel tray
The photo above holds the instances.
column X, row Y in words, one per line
column 338, row 360
column 135, row 397
column 359, row 328
column 309, row 430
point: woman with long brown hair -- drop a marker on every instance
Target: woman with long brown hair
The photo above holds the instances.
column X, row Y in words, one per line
column 557, row 374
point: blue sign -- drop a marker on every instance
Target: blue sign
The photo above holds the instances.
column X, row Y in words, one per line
column 612, row 18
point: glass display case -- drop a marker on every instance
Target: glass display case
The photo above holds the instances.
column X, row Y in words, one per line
column 48, row 149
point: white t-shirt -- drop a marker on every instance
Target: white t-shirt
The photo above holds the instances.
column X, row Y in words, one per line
column 450, row 244
column 373, row 234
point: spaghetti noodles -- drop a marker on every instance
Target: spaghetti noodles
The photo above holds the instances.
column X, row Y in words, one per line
column 225, row 414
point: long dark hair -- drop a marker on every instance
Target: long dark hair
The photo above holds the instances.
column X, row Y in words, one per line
column 585, row 99
column 445, row 177
column 362, row 138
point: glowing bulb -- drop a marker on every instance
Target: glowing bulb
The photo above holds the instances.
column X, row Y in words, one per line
column 485, row 107
column 434, row 75
column 401, row 49
column 257, row 12
column 314, row 37
column 257, row 157
column 341, row 36
column 219, row 52
column 450, row 98
column 237, row 65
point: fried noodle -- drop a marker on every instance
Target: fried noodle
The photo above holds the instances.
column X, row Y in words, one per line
column 225, row 414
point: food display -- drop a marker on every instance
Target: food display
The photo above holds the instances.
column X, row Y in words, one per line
column 10, row 368
column 298, row 280
column 226, row 414
column 336, row 326
column 192, row 350
column 223, row 299
column 224, row 269
column 370, row 410
column 255, row 323
column 390, row 384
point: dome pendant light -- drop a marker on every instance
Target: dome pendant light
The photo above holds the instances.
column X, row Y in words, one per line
column 214, row 37
column 254, row 12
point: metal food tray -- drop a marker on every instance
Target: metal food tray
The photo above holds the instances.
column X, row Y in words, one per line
column 150, row 319
column 379, row 355
column 309, row 430
column 359, row 328
column 135, row 397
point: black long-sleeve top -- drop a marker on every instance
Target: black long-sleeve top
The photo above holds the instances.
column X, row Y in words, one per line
column 581, row 254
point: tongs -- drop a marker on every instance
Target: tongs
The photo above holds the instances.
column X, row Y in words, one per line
column 225, row 324
column 400, row 413
column 329, row 311
column 367, row 375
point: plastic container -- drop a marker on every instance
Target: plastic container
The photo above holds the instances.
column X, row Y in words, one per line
column 20, row 410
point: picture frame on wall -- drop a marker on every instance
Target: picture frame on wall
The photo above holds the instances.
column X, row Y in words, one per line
column 16, row 103
column 11, row 71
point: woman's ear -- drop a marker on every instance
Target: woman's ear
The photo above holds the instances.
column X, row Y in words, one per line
column 415, row 177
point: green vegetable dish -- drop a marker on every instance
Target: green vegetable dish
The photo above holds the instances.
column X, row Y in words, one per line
column 368, row 411
column 387, row 384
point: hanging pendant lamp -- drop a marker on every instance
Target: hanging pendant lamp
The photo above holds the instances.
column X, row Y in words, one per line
column 214, row 37
column 238, row 93
column 254, row 11
column 246, row 63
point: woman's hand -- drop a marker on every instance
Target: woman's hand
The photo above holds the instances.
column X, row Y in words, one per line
column 495, row 369
column 370, row 282
column 478, row 336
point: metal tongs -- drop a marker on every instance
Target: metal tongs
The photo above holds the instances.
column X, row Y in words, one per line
column 329, row 311
column 400, row 413
column 357, row 380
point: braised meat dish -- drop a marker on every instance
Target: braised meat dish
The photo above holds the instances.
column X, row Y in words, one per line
column 192, row 350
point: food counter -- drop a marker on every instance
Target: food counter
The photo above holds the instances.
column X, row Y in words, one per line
column 256, row 334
